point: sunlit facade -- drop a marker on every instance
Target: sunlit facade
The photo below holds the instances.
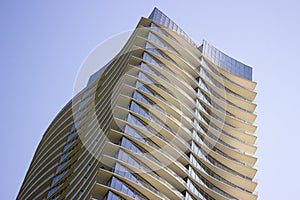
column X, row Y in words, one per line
column 165, row 119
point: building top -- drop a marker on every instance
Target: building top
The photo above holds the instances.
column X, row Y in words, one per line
column 164, row 20
column 226, row 62
column 210, row 52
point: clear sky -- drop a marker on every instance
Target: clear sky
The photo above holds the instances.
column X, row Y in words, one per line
column 43, row 43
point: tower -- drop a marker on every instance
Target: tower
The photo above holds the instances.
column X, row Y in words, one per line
column 165, row 119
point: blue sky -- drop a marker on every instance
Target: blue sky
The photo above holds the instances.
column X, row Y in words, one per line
column 43, row 43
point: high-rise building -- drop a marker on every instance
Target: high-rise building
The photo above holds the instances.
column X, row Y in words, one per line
column 165, row 119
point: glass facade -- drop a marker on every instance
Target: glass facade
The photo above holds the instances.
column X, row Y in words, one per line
column 222, row 60
column 164, row 20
